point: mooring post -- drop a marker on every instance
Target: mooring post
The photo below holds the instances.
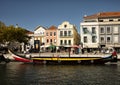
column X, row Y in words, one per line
column 69, row 51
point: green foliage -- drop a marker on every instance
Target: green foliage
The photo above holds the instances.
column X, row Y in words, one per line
column 11, row 34
column 2, row 24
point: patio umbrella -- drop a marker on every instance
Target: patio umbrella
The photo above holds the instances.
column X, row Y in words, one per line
column 52, row 47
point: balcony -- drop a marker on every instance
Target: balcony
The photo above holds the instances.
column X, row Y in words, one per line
column 66, row 36
column 39, row 35
column 65, row 44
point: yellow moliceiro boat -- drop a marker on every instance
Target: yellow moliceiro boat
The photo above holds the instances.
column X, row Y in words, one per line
column 66, row 59
column 74, row 60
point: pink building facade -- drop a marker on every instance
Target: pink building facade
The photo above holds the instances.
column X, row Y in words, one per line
column 51, row 36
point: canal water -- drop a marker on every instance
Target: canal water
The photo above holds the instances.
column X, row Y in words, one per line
column 15, row 73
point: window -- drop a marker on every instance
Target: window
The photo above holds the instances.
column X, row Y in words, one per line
column 69, row 33
column 65, row 26
column 47, row 34
column 65, row 42
column 61, row 33
column 102, row 30
column 85, row 30
column 50, row 40
column 54, row 33
column 93, row 30
column 69, row 42
column 47, row 40
column 65, row 33
column 102, row 40
column 50, row 33
column 41, row 33
column 61, row 42
column 108, row 30
column 85, row 39
column 100, row 20
column 110, row 20
column 108, row 39
column 94, row 39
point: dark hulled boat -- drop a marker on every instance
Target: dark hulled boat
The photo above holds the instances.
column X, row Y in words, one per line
column 4, row 59
column 65, row 60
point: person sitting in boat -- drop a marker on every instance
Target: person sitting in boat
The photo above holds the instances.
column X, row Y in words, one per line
column 114, row 54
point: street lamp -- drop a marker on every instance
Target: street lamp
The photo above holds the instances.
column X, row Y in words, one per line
column 39, row 48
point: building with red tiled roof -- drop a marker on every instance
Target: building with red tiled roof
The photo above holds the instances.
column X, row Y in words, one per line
column 103, row 15
column 30, row 33
column 51, row 36
column 52, row 28
column 101, row 30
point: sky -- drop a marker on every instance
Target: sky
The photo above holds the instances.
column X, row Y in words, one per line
column 29, row 14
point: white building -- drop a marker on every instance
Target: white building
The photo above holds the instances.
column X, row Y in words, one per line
column 101, row 30
column 39, row 37
column 67, row 35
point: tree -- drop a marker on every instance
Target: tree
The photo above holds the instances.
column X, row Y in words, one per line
column 2, row 24
column 10, row 34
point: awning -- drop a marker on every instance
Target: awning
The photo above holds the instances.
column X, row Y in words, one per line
column 45, row 46
column 67, row 46
column 75, row 46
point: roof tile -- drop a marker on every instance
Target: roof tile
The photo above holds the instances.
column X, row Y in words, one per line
column 103, row 15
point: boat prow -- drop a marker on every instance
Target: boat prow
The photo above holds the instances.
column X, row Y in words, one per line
column 4, row 59
column 20, row 58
